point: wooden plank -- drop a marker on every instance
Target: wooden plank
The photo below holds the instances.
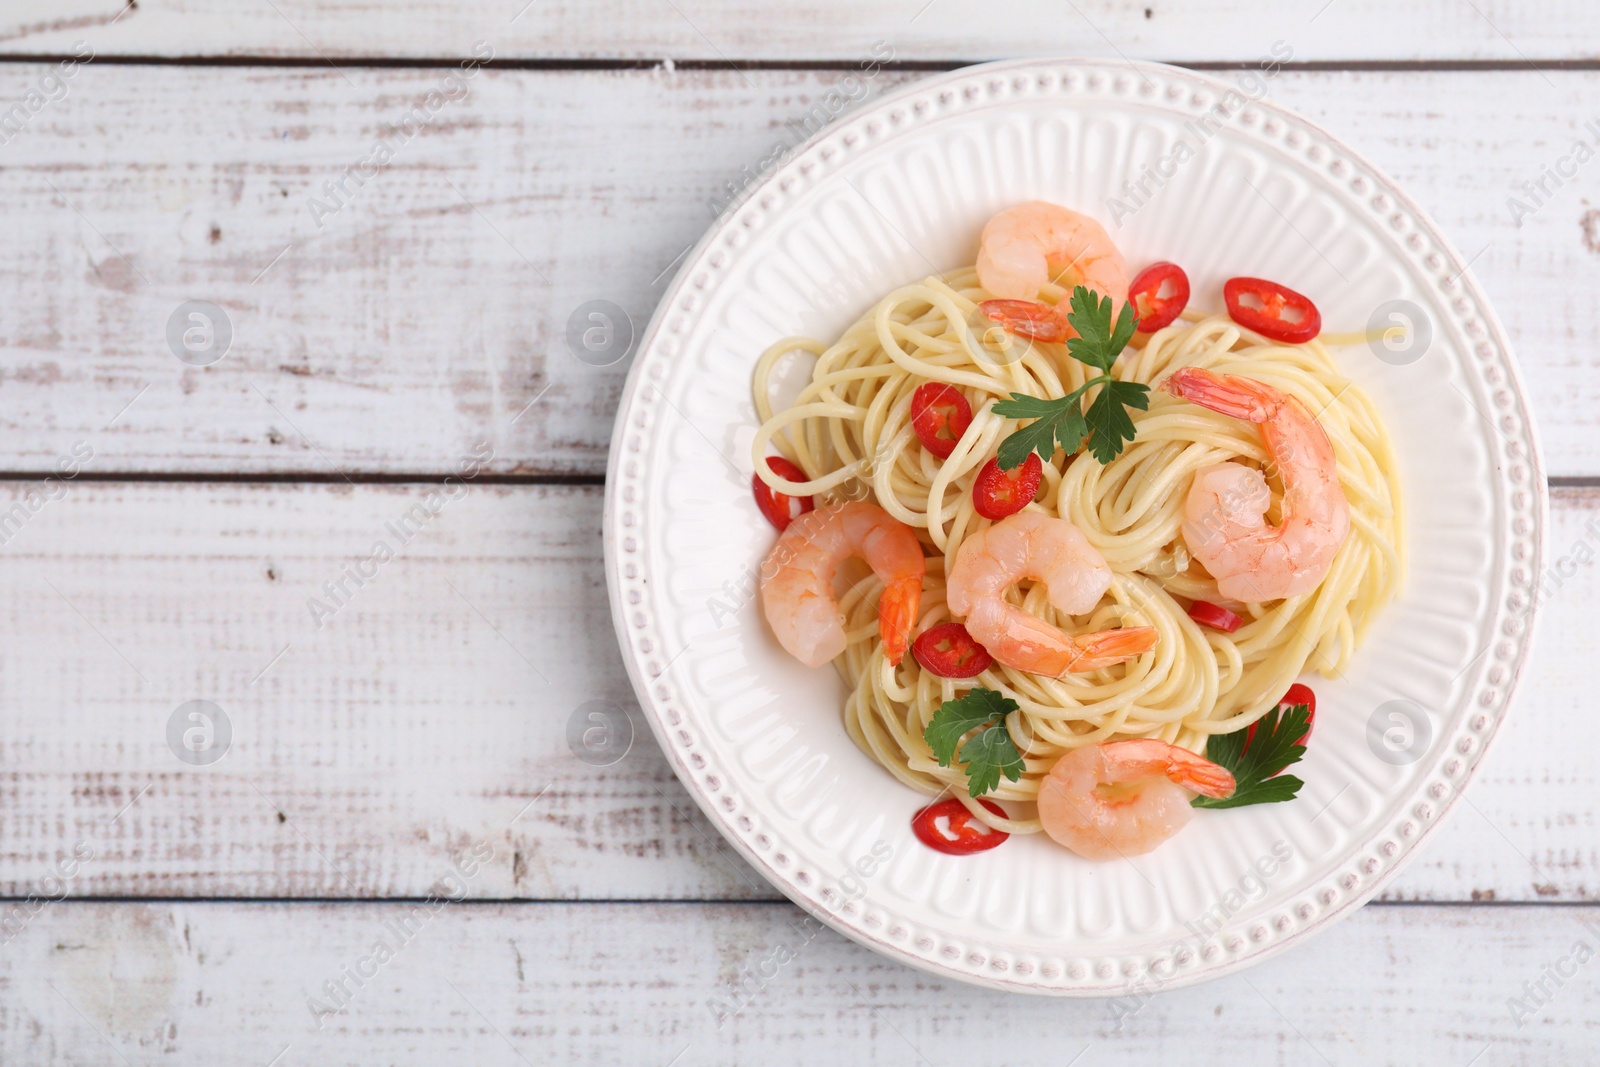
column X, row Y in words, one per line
column 714, row 30
column 428, row 313
column 612, row 983
column 429, row 708
column 430, row 711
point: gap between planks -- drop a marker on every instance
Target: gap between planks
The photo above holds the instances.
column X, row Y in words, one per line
column 906, row 66
column 484, row 902
column 315, row 477
column 1588, row 481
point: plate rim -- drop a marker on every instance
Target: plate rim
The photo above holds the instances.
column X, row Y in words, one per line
column 846, row 138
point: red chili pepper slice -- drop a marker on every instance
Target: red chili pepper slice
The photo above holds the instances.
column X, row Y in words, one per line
column 775, row 505
column 960, row 834
column 950, row 652
column 1154, row 310
column 997, row 493
column 1218, row 618
column 1268, row 319
column 939, row 415
column 1297, row 694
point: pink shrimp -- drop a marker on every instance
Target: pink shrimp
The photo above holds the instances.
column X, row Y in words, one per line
column 1051, row 550
column 1026, row 246
column 797, row 580
column 1224, row 515
column 1123, row 798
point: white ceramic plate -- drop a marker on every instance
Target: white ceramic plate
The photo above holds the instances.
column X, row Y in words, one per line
column 899, row 190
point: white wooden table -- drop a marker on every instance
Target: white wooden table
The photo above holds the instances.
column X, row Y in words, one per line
column 413, row 740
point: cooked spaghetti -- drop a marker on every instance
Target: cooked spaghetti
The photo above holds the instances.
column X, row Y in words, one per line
column 849, row 431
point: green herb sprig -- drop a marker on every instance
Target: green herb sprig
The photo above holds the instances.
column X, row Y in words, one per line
column 1256, row 765
column 987, row 754
column 1107, row 423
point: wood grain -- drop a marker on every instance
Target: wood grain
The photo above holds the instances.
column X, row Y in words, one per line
column 431, row 710
column 717, row 30
column 637, row 984
column 431, row 311
column 421, row 326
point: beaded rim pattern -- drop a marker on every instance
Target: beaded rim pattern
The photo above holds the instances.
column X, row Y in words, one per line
column 1520, row 491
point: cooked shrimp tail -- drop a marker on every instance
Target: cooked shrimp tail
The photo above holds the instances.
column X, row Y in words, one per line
column 797, row 580
column 1228, row 394
column 1105, row 648
column 1198, row 774
column 1028, row 318
column 897, row 613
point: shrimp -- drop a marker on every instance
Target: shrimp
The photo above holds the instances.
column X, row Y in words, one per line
column 797, row 580
column 1051, row 550
column 1026, row 246
column 1224, row 515
column 1123, row 798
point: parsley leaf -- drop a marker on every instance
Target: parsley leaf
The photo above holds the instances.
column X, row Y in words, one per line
column 1276, row 745
column 1099, row 341
column 1054, row 420
column 1107, row 423
column 988, row 753
column 956, row 718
